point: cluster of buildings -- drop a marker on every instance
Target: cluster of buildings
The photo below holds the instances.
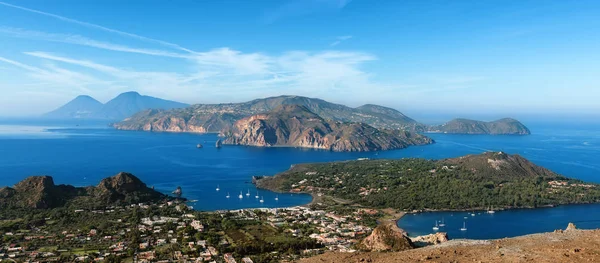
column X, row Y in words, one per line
column 154, row 233
column 335, row 232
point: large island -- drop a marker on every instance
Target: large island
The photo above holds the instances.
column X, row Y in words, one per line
column 203, row 118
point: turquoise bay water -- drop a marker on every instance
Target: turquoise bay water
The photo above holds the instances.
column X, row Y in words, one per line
column 84, row 155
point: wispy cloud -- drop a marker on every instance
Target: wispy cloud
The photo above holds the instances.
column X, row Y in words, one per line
column 54, row 76
column 83, row 41
column 99, row 27
column 339, row 40
column 231, row 73
column 295, row 8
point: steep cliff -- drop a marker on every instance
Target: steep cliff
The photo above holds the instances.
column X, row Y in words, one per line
column 297, row 126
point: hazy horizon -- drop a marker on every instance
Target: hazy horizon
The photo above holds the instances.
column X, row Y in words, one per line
column 464, row 59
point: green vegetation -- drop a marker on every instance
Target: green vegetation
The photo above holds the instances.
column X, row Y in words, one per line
column 480, row 181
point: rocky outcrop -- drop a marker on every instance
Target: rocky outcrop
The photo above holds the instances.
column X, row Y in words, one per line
column 431, row 239
column 506, row 126
column 571, row 226
column 40, row 192
column 386, row 237
column 297, row 126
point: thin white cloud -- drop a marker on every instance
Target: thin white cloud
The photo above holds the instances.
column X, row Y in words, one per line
column 231, row 73
column 54, row 76
column 99, row 27
column 83, row 41
column 20, row 65
column 339, row 40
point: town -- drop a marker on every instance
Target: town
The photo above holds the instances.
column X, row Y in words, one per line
column 171, row 231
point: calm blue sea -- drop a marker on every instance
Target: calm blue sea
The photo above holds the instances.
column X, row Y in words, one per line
column 83, row 155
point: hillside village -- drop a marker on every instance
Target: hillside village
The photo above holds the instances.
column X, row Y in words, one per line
column 172, row 231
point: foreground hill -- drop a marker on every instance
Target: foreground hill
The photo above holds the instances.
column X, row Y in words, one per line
column 121, row 107
column 506, row 126
column 560, row 246
column 216, row 117
column 473, row 181
column 41, row 192
column 297, row 126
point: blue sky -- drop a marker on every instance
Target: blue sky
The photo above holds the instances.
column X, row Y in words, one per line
column 421, row 57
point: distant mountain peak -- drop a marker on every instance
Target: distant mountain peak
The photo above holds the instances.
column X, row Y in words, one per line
column 122, row 106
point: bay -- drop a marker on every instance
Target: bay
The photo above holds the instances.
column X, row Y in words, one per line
column 83, row 155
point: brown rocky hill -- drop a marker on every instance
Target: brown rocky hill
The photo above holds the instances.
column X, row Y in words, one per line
column 297, row 126
column 386, row 237
column 560, row 246
column 40, row 192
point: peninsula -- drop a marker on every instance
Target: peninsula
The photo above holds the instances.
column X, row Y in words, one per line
column 470, row 182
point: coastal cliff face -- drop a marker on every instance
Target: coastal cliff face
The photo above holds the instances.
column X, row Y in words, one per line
column 297, row 126
column 40, row 192
column 506, row 126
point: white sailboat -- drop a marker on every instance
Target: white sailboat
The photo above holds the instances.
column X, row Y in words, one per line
column 262, row 200
column 491, row 210
column 241, row 196
column 442, row 224
column 277, row 198
column 256, row 196
column 227, row 196
column 473, row 213
column 218, row 189
column 436, row 228
column 248, row 194
column 464, row 228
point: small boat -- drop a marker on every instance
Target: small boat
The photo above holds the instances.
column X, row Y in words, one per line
column 218, row 189
column 227, row 196
column 442, row 224
column 219, row 143
column 491, row 210
column 241, row 196
column 436, row 227
column 248, row 194
column 262, row 200
column 256, row 196
column 277, row 198
column 473, row 213
column 464, row 228
column 198, row 146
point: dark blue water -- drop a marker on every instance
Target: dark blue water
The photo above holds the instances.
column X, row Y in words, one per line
column 84, row 155
column 503, row 223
